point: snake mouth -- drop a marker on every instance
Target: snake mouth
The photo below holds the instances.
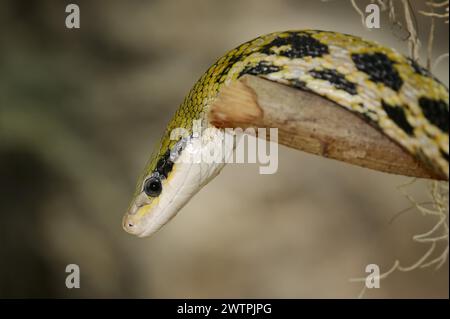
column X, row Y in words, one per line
column 145, row 227
column 149, row 219
column 131, row 225
column 145, row 219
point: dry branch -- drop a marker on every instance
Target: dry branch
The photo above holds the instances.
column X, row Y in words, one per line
column 313, row 124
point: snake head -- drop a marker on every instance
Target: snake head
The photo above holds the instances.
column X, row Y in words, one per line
column 158, row 200
column 160, row 194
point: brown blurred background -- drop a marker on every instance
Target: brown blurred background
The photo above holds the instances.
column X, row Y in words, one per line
column 79, row 113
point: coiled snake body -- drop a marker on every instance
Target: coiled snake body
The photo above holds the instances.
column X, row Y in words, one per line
column 390, row 91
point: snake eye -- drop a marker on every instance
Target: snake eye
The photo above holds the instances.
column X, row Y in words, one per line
column 153, row 187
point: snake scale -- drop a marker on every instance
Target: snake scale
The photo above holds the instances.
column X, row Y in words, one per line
column 390, row 91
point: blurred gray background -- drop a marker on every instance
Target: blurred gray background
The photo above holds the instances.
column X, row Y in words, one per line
column 79, row 113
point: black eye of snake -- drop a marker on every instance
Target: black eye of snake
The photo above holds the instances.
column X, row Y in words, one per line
column 153, row 187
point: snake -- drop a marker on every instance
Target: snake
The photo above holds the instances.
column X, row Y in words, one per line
column 388, row 90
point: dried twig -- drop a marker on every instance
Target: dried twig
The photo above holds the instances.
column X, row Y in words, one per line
column 413, row 39
column 439, row 194
column 358, row 10
column 431, row 38
column 439, row 191
column 439, row 59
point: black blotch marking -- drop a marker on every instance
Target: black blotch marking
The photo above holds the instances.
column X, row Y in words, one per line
column 263, row 67
column 436, row 111
column 235, row 58
column 229, row 64
column 164, row 165
column 424, row 71
column 299, row 84
column 444, row 155
column 398, row 115
column 420, row 69
column 366, row 116
column 379, row 68
column 302, row 45
column 337, row 79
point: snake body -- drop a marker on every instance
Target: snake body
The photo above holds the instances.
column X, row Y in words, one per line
column 390, row 91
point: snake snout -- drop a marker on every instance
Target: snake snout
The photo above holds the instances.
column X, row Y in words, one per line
column 129, row 225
